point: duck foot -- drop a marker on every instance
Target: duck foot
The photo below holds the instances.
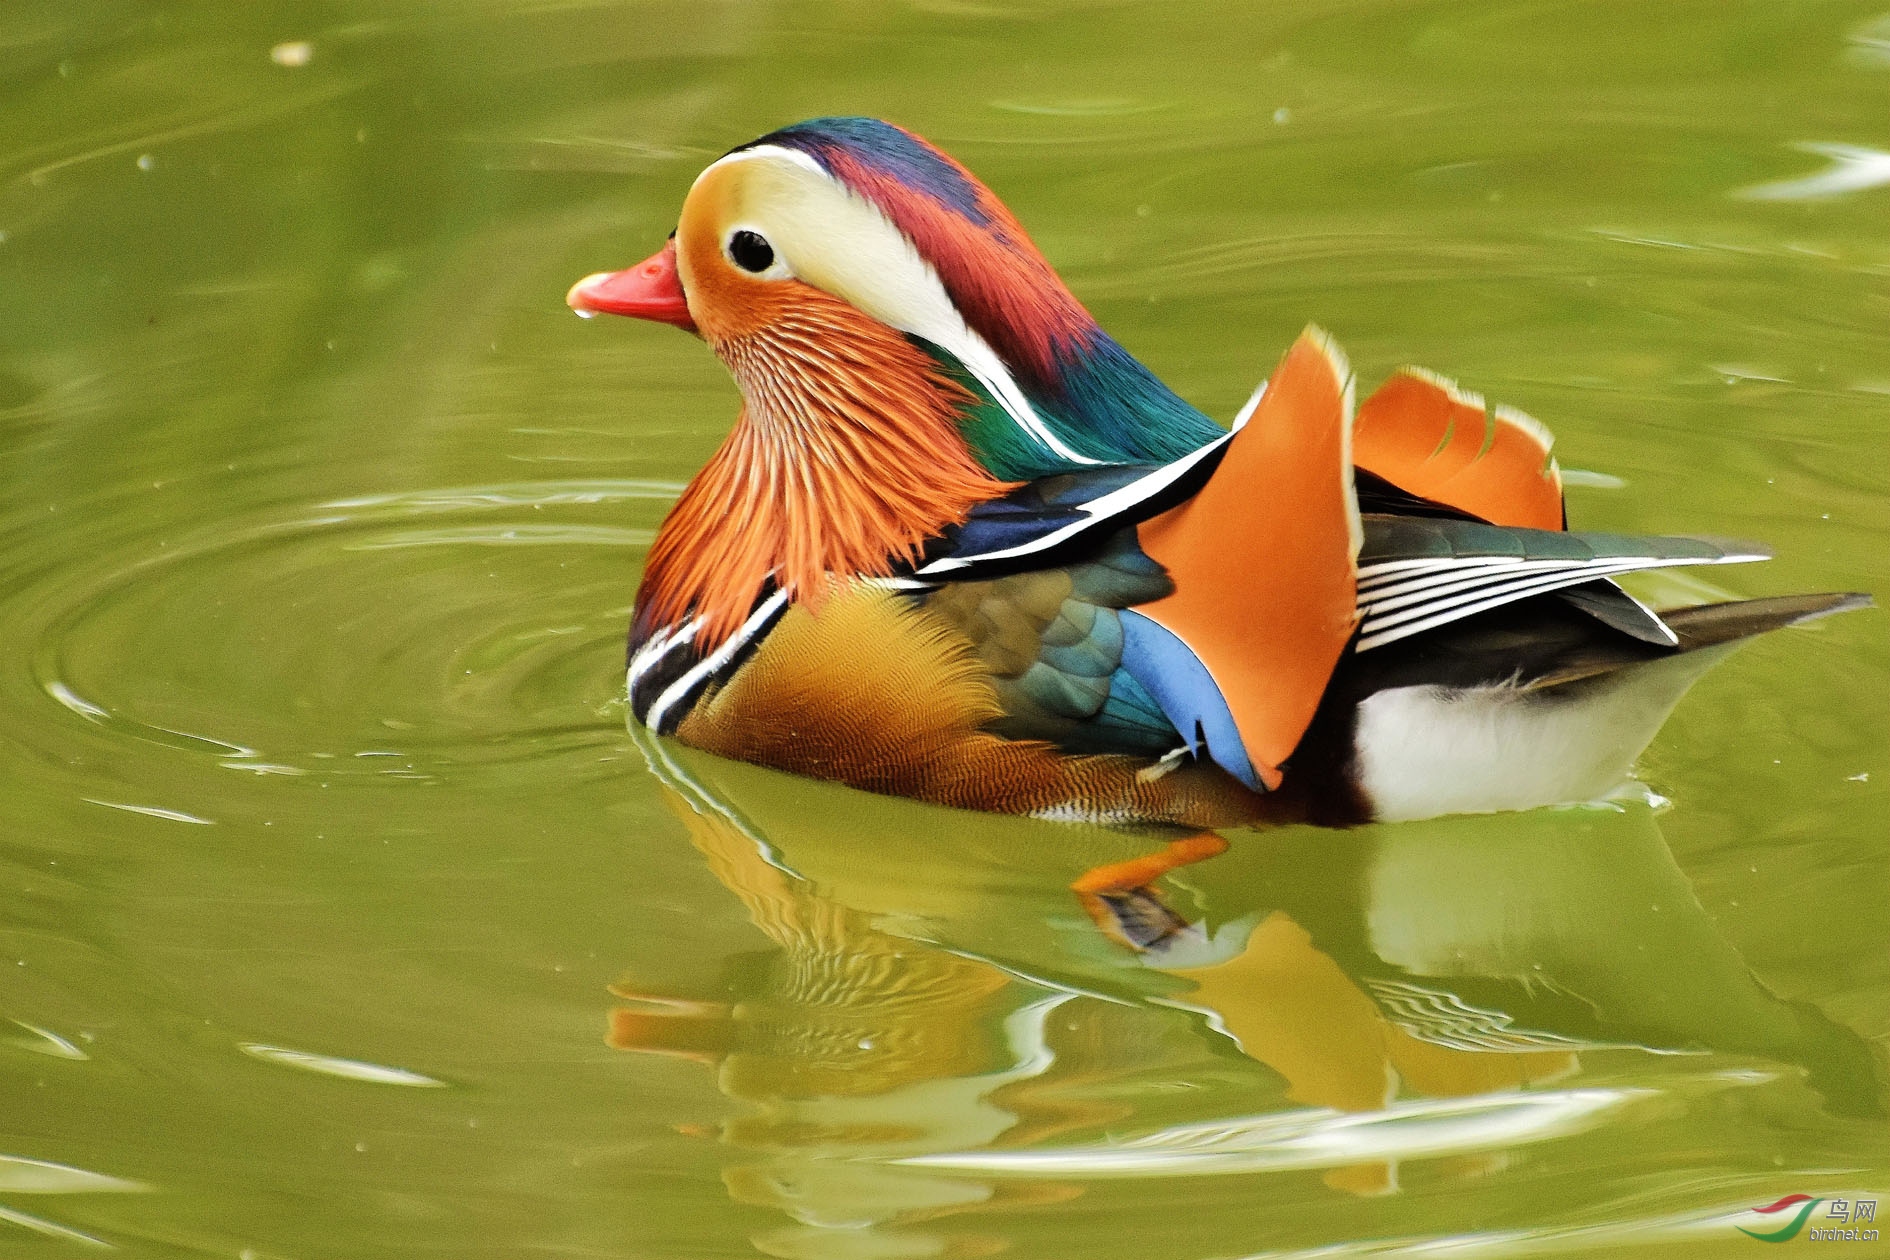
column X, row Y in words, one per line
column 1122, row 900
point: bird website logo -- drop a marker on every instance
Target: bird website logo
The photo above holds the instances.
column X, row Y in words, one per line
column 1791, row 1212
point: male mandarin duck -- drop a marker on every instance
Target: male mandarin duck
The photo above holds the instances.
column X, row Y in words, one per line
column 961, row 546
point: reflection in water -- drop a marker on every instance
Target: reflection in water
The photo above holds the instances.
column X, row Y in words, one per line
column 940, row 1030
column 236, row 389
column 1853, row 168
column 856, row 1047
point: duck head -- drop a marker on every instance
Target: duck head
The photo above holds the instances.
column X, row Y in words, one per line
column 852, row 220
column 903, row 352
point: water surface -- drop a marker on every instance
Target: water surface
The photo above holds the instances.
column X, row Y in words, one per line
column 343, row 917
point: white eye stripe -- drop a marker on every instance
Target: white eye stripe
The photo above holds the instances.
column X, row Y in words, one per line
column 764, row 152
column 833, row 239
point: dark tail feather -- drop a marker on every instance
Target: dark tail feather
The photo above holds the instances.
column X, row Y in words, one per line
column 1700, row 627
column 1709, row 624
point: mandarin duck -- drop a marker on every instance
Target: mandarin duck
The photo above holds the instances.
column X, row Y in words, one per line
column 961, row 546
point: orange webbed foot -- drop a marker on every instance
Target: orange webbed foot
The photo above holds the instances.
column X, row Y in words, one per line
column 1122, row 899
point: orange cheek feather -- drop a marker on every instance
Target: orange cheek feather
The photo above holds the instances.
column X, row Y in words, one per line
column 847, row 456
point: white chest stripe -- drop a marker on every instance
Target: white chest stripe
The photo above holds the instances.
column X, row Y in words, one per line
column 710, row 664
column 661, row 644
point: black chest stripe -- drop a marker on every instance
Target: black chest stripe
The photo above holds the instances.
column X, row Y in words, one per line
column 668, row 675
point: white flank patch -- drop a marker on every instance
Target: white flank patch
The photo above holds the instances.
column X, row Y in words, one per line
column 1428, row 751
column 1078, row 812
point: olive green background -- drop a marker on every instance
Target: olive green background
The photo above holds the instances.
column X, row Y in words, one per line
column 339, row 914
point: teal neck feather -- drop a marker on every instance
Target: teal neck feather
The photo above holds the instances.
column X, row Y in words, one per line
column 1107, row 407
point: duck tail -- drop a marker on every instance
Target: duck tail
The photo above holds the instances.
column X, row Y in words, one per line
column 1707, row 625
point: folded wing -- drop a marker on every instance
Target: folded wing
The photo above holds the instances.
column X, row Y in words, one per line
column 1206, row 603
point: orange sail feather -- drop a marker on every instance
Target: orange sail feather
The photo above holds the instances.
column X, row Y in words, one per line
column 1423, row 434
column 1264, row 558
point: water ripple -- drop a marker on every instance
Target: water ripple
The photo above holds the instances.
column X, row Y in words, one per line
column 1319, row 1138
column 51, row 1229
column 474, row 623
column 1853, row 168
column 19, row 1175
column 347, row 1069
column 151, row 811
column 513, row 535
column 47, row 1042
column 512, row 494
column 1870, row 43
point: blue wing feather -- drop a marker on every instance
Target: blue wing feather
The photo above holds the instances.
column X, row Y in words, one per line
column 1188, row 696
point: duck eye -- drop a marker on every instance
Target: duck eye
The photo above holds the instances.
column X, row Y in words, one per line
column 750, row 251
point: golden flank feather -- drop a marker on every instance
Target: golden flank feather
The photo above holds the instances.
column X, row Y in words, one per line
column 881, row 695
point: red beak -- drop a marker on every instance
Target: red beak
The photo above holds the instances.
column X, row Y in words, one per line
column 649, row 290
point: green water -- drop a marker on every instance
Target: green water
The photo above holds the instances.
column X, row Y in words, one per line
column 341, row 917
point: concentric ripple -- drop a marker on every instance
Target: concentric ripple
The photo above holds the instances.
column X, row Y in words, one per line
column 391, row 634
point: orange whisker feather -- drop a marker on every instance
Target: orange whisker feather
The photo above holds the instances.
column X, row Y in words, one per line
column 846, row 458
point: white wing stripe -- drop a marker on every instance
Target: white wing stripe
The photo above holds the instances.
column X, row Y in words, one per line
column 1382, row 572
column 1097, row 509
column 1390, row 594
column 1399, row 570
column 1515, row 588
column 1378, row 631
column 1386, row 599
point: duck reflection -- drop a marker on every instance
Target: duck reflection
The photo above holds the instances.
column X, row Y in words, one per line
column 939, row 1011
column 855, row 1046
